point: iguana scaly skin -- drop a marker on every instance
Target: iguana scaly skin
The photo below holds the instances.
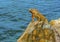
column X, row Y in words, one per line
column 36, row 14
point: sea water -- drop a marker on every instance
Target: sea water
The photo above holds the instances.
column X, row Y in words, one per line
column 15, row 16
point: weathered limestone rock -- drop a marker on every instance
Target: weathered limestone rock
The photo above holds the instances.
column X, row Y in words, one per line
column 27, row 33
column 55, row 26
column 36, row 33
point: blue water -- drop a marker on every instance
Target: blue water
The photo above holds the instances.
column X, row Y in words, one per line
column 15, row 16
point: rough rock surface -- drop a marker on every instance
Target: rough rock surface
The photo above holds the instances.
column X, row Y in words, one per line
column 36, row 33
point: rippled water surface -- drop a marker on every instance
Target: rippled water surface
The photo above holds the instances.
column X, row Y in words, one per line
column 15, row 16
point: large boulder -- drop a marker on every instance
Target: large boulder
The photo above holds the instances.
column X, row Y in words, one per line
column 36, row 32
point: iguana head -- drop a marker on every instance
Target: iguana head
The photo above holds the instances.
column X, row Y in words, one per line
column 33, row 11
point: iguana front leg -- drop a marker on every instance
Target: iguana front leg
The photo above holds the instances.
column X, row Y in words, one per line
column 33, row 18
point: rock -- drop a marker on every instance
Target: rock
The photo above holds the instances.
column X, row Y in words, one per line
column 36, row 33
column 56, row 28
column 27, row 32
